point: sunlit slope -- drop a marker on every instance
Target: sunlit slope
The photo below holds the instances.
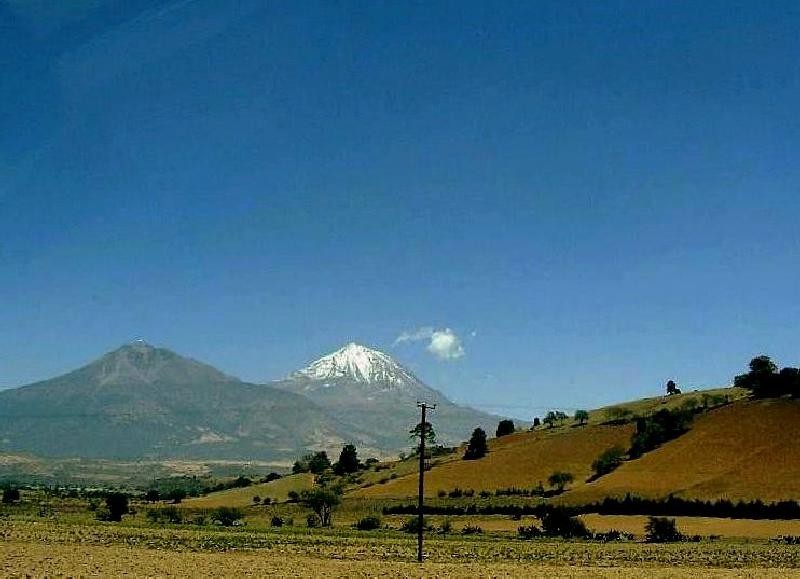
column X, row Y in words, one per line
column 276, row 490
column 519, row 460
column 747, row 450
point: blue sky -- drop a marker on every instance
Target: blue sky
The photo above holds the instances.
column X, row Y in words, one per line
column 593, row 197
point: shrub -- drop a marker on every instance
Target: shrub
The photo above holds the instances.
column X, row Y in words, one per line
column 172, row 515
column 412, row 524
column 152, row 496
column 560, row 479
column 312, row 521
column 257, row 500
column 661, row 530
column 608, row 461
column 441, row 494
column 657, row 429
column 369, row 523
column 226, row 516
column 557, row 522
column 484, row 494
column 446, row 528
column 456, row 493
column 293, row 496
column 271, row 477
column 472, row 530
column 276, row 521
column 529, row 532
column 176, row 495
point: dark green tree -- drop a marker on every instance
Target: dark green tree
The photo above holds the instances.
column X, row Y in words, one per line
column 117, row 505
column 152, row 496
column 319, row 462
column 560, row 479
column 476, row 447
column 504, row 428
column 581, row 416
column 536, row 422
column 661, row 530
column 348, row 460
column 672, row 388
column 10, row 495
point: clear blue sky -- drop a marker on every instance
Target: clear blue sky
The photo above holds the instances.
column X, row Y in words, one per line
column 593, row 196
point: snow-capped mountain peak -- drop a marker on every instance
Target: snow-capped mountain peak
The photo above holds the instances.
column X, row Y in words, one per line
column 360, row 364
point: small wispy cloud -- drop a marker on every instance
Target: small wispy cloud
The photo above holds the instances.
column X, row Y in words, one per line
column 444, row 344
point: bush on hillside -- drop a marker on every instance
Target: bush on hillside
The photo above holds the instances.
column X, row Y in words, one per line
column 661, row 530
column 608, row 461
column 368, row 523
column 765, row 381
column 226, row 516
column 560, row 479
column 10, row 495
column 653, row 431
column 559, row 522
column 504, row 428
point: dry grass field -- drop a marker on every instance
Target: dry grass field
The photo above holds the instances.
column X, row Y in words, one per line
column 748, row 450
column 276, row 490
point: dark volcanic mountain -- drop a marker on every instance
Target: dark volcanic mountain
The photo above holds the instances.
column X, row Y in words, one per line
column 142, row 401
column 367, row 389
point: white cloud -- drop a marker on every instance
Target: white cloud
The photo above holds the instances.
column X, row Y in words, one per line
column 444, row 344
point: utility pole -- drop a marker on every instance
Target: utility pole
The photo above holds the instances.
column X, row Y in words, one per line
column 420, row 523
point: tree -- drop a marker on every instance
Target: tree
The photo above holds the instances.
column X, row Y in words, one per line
column 476, row 447
column 348, row 460
column 560, row 479
column 322, row 501
column 536, row 422
column 609, row 460
column 581, row 417
column 557, row 522
column 176, row 495
column 764, row 380
column 661, row 530
column 504, row 428
column 117, row 505
column 152, row 496
column 672, row 388
column 10, row 495
column 550, row 419
column 319, row 462
column 430, row 435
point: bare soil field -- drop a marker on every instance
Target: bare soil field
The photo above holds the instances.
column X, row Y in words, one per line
column 30, row 559
column 45, row 548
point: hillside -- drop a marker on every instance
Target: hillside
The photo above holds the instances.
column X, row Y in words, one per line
column 746, row 450
column 519, row 460
column 276, row 490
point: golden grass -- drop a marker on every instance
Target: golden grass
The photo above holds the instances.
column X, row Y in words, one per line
column 519, row 460
column 276, row 490
column 748, row 450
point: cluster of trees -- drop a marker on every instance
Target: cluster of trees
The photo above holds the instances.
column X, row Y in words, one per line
column 678, row 507
column 764, row 379
column 319, row 463
column 608, row 461
column 662, row 426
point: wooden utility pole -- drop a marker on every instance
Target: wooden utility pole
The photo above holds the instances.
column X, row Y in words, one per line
column 420, row 519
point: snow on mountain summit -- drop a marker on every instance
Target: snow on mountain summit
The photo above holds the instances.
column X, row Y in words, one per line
column 360, row 364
